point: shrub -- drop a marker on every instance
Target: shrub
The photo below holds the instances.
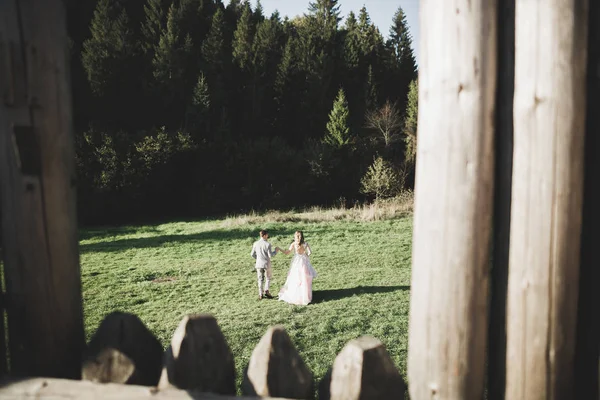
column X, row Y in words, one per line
column 382, row 179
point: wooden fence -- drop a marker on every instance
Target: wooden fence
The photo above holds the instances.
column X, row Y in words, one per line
column 508, row 154
column 199, row 361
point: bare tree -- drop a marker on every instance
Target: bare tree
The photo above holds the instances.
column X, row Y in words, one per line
column 387, row 121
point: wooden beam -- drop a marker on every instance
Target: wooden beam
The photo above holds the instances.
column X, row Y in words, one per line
column 48, row 388
column 549, row 126
column 588, row 317
column 37, row 183
column 503, row 184
column 453, row 200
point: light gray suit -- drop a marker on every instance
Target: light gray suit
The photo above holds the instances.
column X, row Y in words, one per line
column 262, row 252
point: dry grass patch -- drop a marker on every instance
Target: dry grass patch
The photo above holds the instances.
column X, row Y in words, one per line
column 380, row 210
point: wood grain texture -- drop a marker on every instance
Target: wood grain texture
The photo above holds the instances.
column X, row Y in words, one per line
column 199, row 357
column 363, row 370
column 502, row 198
column 453, row 200
column 38, row 194
column 549, row 116
column 276, row 368
column 45, row 388
column 123, row 350
column 587, row 351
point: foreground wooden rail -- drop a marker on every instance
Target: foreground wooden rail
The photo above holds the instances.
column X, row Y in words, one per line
column 125, row 361
column 45, row 388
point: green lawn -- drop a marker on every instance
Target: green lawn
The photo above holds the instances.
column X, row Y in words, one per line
column 163, row 272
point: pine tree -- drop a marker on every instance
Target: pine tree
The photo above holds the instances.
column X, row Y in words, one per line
column 284, row 69
column 338, row 131
column 242, row 39
column 265, row 46
column 201, row 97
column 258, row 14
column 370, row 90
column 198, row 114
column 351, row 43
column 169, row 58
column 153, row 25
column 370, row 37
column 403, row 64
column 213, row 47
column 326, row 14
column 188, row 15
column 109, row 47
column 381, row 179
column 410, row 123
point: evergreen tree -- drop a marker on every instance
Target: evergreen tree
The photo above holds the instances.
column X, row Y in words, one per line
column 198, row 116
column 338, row 131
column 215, row 65
column 410, row 123
column 326, row 14
column 370, row 91
column 352, row 48
column 189, row 19
column 110, row 45
column 213, row 47
column 201, row 98
column 258, row 14
column 166, row 57
column 266, row 55
column 242, row 39
column 401, row 44
column 402, row 64
column 153, row 25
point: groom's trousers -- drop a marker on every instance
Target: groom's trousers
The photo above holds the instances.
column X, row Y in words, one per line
column 263, row 274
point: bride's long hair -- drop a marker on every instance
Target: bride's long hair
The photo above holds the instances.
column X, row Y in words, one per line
column 301, row 241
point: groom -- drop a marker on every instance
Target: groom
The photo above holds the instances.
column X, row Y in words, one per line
column 262, row 252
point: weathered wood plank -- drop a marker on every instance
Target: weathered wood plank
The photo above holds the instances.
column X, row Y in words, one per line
column 38, row 194
column 48, row 388
column 587, row 349
column 363, row 371
column 453, row 199
column 549, row 117
column 199, row 357
column 276, row 368
column 123, row 350
column 502, row 195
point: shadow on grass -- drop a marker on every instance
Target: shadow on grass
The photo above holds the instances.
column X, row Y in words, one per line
column 320, row 296
column 103, row 233
column 158, row 241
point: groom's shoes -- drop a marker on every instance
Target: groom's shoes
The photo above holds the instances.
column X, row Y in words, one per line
column 268, row 295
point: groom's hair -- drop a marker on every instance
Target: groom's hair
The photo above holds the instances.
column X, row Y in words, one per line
column 263, row 233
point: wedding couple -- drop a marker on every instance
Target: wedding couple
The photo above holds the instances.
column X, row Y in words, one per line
column 298, row 285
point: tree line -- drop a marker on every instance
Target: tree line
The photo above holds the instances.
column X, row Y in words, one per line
column 189, row 108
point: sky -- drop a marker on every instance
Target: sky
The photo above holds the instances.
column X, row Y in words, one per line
column 380, row 11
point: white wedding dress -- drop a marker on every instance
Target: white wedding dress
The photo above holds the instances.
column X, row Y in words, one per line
column 298, row 285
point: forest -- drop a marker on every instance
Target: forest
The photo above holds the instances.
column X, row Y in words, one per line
column 194, row 108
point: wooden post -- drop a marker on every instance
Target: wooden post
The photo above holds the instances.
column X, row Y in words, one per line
column 64, row 389
column 276, row 369
column 503, row 184
column 199, row 357
column 363, row 370
column 38, row 191
column 549, row 116
column 453, row 200
column 588, row 316
column 123, row 350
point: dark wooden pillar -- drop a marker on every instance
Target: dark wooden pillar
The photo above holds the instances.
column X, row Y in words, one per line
column 37, row 186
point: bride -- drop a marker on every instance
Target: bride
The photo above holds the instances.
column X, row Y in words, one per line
column 298, row 285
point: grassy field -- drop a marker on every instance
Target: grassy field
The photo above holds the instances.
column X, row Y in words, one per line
column 163, row 272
